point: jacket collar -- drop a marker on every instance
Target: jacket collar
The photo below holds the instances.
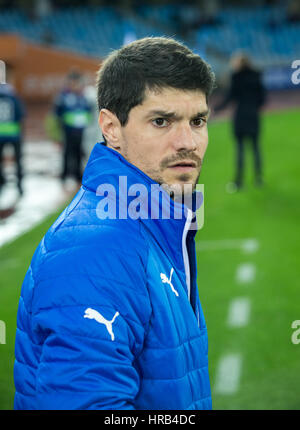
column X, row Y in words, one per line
column 107, row 167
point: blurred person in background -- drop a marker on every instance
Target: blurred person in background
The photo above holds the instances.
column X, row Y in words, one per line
column 247, row 93
column 11, row 127
column 73, row 113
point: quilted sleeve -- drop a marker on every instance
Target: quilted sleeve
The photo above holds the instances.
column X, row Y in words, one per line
column 91, row 311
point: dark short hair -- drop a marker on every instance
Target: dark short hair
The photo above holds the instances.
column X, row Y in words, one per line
column 151, row 63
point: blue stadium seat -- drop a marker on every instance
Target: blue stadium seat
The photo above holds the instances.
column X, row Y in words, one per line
column 261, row 31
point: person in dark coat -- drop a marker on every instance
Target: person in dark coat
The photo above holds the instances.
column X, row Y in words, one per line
column 247, row 93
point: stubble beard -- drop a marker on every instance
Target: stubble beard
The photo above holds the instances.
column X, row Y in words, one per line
column 182, row 189
column 179, row 190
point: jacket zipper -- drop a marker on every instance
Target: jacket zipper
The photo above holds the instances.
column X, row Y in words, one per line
column 185, row 252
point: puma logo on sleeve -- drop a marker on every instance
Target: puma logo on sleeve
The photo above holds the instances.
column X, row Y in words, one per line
column 92, row 314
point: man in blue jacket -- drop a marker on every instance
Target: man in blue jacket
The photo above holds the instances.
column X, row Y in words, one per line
column 109, row 314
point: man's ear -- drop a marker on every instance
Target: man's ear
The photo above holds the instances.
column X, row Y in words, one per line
column 110, row 127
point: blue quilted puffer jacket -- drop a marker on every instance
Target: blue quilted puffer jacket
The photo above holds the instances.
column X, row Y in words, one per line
column 109, row 315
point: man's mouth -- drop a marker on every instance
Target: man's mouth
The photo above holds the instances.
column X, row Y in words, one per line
column 183, row 166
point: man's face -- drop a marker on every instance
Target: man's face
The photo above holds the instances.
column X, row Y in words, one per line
column 166, row 136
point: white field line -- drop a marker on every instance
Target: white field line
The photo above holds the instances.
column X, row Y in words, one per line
column 230, row 365
column 43, row 193
column 42, row 196
column 245, row 273
column 228, row 374
column 248, row 246
column 239, row 312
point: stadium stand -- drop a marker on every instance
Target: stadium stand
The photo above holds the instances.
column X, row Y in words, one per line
column 90, row 31
column 265, row 33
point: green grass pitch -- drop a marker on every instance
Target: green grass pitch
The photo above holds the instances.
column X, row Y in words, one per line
column 270, row 372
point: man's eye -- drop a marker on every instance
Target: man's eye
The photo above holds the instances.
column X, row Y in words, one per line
column 198, row 122
column 160, row 122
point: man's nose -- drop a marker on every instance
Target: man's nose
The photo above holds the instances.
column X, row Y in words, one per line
column 184, row 139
